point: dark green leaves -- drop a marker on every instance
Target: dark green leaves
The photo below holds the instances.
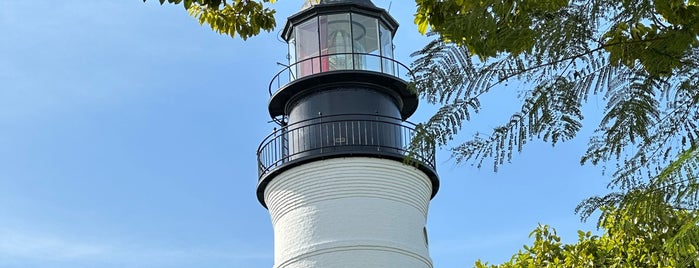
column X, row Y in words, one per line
column 488, row 27
column 244, row 18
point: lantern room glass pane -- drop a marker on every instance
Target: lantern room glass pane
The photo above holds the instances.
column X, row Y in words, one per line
column 307, row 48
column 365, row 32
column 292, row 58
column 336, row 42
column 387, row 65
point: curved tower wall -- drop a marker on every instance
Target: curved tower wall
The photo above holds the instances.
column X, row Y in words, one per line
column 350, row 212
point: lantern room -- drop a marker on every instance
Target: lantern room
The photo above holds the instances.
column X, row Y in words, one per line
column 347, row 35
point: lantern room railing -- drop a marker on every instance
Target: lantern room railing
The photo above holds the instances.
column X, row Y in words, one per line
column 340, row 135
column 339, row 62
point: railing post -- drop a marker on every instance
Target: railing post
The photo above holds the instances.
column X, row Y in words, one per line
column 320, row 131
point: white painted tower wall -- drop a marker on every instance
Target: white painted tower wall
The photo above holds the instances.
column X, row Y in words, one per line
column 350, row 212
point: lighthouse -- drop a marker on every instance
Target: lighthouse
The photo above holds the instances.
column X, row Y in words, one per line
column 342, row 181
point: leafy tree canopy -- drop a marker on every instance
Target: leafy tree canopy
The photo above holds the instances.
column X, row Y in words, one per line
column 640, row 56
column 244, row 18
column 627, row 241
column 654, row 34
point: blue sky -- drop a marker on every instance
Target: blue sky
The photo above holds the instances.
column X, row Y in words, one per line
column 128, row 135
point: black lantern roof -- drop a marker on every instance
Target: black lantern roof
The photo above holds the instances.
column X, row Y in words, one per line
column 310, row 3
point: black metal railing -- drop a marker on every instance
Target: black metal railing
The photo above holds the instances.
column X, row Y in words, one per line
column 339, row 62
column 342, row 135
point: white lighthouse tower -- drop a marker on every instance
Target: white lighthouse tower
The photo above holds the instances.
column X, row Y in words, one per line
column 334, row 175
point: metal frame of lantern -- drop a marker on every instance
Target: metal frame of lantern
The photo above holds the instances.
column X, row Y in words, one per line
column 331, row 31
column 338, row 34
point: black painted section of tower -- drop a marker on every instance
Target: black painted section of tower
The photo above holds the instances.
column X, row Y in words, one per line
column 405, row 100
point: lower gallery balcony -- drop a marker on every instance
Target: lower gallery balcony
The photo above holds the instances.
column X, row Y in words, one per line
column 343, row 136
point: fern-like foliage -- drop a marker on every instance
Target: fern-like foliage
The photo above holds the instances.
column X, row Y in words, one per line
column 641, row 58
column 676, row 187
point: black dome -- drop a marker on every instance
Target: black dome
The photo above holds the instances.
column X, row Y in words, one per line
column 310, row 3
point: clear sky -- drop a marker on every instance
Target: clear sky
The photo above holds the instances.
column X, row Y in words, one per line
column 128, row 136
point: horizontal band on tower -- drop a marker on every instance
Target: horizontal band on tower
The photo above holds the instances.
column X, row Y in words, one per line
column 354, row 245
column 347, row 178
